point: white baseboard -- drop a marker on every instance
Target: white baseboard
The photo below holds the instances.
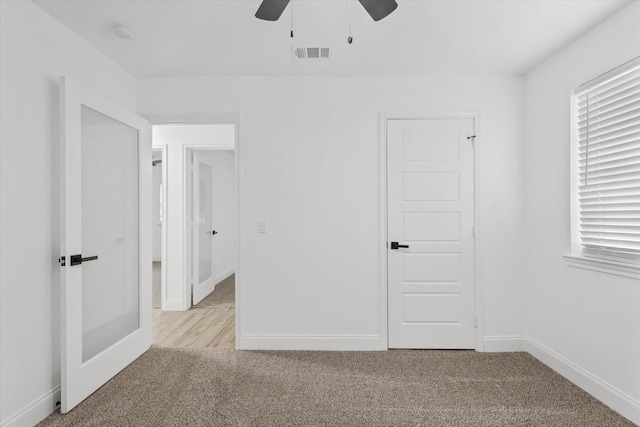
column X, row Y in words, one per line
column 504, row 343
column 604, row 392
column 220, row 277
column 36, row 412
column 174, row 305
column 311, row 342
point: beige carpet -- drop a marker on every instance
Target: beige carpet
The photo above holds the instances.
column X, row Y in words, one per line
column 224, row 295
column 211, row 387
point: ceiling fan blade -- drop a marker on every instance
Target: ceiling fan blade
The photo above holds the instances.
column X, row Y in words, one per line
column 378, row 9
column 270, row 10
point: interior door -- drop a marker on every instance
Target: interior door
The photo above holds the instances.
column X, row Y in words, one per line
column 105, row 244
column 430, row 255
column 203, row 230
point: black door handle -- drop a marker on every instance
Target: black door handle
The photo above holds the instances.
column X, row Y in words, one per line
column 214, row 232
column 395, row 245
column 77, row 259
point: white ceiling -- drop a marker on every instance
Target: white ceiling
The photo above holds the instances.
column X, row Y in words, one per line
column 222, row 37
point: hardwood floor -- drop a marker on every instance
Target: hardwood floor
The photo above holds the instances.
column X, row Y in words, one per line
column 195, row 328
column 200, row 326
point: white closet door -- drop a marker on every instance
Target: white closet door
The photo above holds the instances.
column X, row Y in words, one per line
column 430, row 196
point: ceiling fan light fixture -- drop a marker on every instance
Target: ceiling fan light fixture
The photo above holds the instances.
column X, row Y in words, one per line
column 271, row 10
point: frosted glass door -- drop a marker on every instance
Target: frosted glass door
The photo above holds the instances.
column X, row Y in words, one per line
column 105, row 251
column 110, row 287
column 204, row 233
column 205, row 225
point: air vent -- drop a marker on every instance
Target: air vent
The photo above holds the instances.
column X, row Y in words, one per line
column 311, row 52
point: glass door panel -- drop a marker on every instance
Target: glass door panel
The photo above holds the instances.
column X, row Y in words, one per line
column 203, row 233
column 205, row 223
column 110, row 283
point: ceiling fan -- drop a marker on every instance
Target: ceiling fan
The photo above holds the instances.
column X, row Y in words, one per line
column 270, row 10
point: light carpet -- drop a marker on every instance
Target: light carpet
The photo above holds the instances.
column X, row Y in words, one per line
column 224, row 295
column 214, row 387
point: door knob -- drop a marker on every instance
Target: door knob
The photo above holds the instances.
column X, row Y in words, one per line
column 213, row 232
column 395, row 245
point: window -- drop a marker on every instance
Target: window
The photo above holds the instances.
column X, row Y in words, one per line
column 606, row 171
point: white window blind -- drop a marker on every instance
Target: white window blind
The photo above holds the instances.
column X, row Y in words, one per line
column 608, row 136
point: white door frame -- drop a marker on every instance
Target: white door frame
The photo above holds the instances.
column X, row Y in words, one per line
column 201, row 119
column 479, row 288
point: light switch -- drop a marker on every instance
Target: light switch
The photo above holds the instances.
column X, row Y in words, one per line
column 262, row 226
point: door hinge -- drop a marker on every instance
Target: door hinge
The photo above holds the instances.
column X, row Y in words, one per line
column 473, row 140
column 473, row 229
column 475, row 322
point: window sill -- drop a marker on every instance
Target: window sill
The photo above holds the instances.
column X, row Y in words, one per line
column 604, row 266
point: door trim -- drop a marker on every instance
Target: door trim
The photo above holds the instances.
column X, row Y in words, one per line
column 382, row 236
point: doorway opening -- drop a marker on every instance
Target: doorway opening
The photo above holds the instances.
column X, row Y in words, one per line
column 195, row 233
column 156, row 224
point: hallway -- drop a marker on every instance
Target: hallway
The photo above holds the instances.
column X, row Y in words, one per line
column 209, row 324
column 210, row 327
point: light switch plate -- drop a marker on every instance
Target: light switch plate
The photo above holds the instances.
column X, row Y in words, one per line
column 262, row 226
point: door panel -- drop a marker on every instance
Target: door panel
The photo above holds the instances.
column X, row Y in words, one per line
column 430, row 267
column 430, row 186
column 432, row 307
column 434, row 227
column 106, row 297
column 426, row 145
column 430, row 196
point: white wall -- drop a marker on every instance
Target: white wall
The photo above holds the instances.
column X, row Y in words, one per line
column 590, row 319
column 176, row 139
column 224, row 212
column 34, row 51
column 309, row 152
column 216, row 135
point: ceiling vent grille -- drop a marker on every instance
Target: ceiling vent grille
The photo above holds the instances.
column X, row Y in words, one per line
column 311, row 52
